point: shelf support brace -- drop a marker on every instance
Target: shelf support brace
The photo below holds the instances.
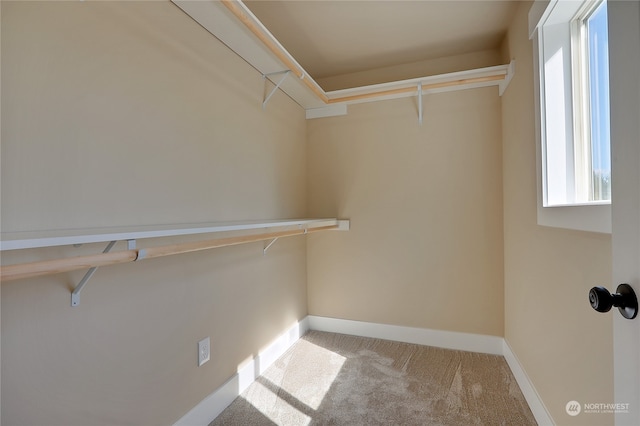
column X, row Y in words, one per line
column 511, row 70
column 264, row 250
column 272, row 242
column 264, row 76
column 420, row 103
column 75, row 296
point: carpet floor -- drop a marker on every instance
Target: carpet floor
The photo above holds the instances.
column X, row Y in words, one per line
column 335, row 379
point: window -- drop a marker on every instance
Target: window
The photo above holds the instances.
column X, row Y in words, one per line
column 591, row 62
column 571, row 56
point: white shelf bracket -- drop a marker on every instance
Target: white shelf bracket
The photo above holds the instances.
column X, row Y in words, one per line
column 272, row 242
column 511, row 70
column 266, row 76
column 420, row 103
column 75, row 296
column 264, row 250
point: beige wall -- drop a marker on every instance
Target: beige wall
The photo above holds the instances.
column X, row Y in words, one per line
column 564, row 346
column 129, row 113
column 425, row 246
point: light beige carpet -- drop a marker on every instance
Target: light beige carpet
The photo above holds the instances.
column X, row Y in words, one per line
column 334, row 379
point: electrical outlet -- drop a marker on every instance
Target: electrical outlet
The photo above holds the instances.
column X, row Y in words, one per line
column 204, row 351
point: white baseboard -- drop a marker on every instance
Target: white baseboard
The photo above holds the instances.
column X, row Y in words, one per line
column 421, row 336
column 538, row 408
column 210, row 407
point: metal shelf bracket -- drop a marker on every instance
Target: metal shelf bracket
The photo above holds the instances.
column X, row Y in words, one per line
column 511, row 70
column 75, row 296
column 272, row 242
column 277, row 86
column 264, row 250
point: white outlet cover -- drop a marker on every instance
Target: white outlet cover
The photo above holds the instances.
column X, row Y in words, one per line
column 204, row 351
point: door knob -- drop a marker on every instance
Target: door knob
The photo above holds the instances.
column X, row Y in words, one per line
column 625, row 300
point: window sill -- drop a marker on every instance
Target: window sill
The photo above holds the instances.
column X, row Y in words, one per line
column 592, row 217
column 590, row 203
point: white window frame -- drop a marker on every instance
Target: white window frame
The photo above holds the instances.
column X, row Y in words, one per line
column 550, row 24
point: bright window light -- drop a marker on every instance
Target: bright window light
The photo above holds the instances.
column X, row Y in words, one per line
column 575, row 87
column 574, row 160
column 598, row 52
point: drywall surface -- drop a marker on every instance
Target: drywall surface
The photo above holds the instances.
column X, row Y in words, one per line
column 564, row 346
column 129, row 113
column 425, row 203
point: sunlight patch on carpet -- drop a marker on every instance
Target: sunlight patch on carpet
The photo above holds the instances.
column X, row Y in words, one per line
column 275, row 409
column 318, row 371
column 334, row 379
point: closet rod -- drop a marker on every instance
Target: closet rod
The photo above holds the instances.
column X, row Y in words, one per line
column 56, row 266
column 47, row 267
column 425, row 87
column 253, row 24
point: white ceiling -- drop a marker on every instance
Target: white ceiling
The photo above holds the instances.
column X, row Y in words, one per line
column 330, row 38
